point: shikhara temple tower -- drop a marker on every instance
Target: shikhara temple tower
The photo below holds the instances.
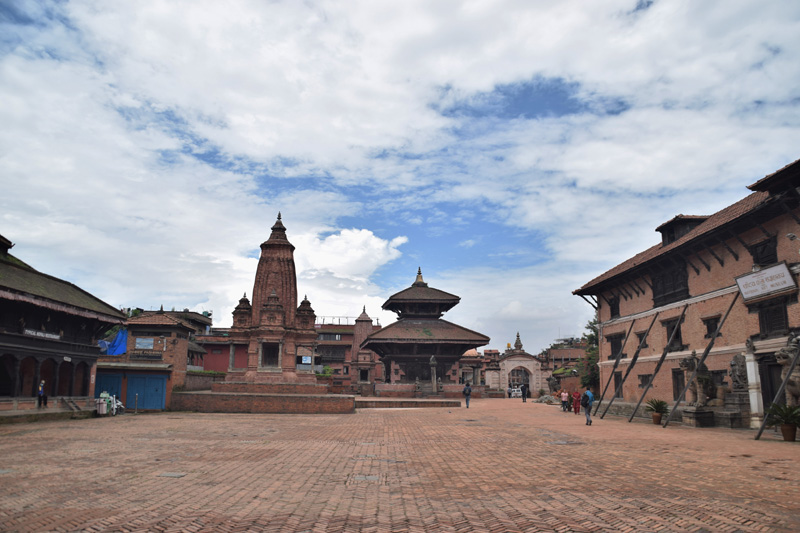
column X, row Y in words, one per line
column 420, row 345
column 277, row 332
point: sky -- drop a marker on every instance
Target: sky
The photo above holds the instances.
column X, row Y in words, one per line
column 512, row 149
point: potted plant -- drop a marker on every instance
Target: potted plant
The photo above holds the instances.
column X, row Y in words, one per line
column 659, row 408
column 785, row 416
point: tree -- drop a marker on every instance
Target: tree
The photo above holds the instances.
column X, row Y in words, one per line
column 589, row 371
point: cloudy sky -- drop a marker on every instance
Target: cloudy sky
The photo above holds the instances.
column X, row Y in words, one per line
column 512, row 149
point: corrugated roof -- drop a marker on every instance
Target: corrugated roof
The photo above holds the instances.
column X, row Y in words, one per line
column 18, row 277
column 744, row 206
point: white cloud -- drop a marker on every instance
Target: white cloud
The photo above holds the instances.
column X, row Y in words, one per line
column 329, row 113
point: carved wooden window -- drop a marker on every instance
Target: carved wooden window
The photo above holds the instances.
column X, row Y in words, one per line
column 641, row 340
column 677, row 342
column 616, row 345
column 331, row 353
column 671, row 285
column 773, row 319
column 613, row 306
column 711, row 325
column 678, row 382
column 765, row 252
column 617, row 381
column 644, row 380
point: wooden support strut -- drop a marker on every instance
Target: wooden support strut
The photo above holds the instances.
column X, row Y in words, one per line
column 664, row 356
column 708, row 267
column 634, row 289
column 702, row 360
column 696, row 270
column 788, row 210
column 658, row 366
column 637, row 286
column 588, row 301
column 711, row 251
column 616, row 363
column 634, row 359
column 623, row 291
column 780, row 390
column 730, row 250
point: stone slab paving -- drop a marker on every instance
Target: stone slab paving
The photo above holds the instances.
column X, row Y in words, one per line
column 500, row 466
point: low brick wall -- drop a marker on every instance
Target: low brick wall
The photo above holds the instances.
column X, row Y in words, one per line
column 200, row 381
column 18, row 404
column 225, row 402
column 395, row 390
column 270, row 388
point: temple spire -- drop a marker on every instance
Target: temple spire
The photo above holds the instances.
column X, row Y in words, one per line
column 419, row 282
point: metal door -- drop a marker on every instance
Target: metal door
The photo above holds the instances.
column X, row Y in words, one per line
column 152, row 391
column 110, row 383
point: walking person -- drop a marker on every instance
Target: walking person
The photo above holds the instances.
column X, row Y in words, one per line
column 576, row 402
column 586, row 402
column 524, row 389
column 467, row 392
column 564, row 400
column 509, row 392
column 42, row 401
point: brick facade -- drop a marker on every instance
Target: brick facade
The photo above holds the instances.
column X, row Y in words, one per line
column 696, row 266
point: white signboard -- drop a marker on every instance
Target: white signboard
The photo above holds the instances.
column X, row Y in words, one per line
column 765, row 282
column 144, row 344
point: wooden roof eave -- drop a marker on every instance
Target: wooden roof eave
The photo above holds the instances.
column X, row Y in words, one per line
column 52, row 305
column 685, row 248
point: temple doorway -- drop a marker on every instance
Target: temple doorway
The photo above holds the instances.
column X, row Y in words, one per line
column 518, row 377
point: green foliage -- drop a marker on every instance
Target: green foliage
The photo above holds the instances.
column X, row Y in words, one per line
column 589, row 371
column 541, row 393
column 657, row 406
column 326, row 372
column 778, row 415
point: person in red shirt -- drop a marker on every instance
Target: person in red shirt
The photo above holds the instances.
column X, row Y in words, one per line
column 576, row 402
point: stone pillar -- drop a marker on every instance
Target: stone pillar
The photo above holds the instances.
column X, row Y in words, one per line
column 38, row 378
column 434, row 386
column 56, row 378
column 71, row 390
column 17, row 381
column 754, row 391
column 232, row 357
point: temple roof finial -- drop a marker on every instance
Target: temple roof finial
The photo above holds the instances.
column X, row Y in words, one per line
column 419, row 281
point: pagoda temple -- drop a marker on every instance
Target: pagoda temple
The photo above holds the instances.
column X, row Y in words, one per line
column 421, row 347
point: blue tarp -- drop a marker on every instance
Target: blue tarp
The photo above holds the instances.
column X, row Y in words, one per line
column 118, row 346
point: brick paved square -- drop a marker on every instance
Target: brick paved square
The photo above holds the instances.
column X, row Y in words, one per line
column 502, row 465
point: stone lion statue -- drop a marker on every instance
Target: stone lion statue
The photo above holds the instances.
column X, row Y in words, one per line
column 702, row 387
column 784, row 356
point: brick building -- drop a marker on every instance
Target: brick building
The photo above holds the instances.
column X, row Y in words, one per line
column 49, row 330
column 160, row 350
column 681, row 288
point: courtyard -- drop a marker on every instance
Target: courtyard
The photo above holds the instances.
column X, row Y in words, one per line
column 501, row 465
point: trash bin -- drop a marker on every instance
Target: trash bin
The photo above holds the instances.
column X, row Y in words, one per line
column 102, row 406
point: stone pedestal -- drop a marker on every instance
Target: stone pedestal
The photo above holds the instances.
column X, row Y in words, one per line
column 698, row 417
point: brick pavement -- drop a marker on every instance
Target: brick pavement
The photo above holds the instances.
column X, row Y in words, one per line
column 500, row 466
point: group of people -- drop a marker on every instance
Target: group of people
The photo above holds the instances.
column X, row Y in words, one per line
column 569, row 402
column 575, row 400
